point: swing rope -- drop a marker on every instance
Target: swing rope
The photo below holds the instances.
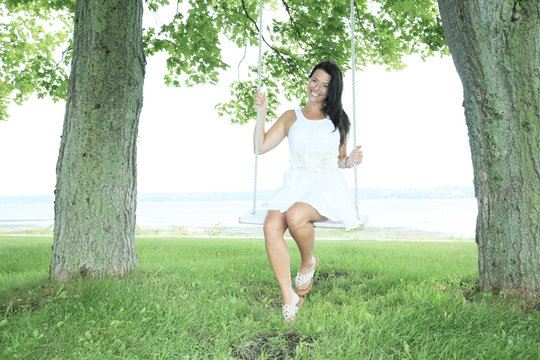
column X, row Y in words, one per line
column 353, row 66
column 258, row 123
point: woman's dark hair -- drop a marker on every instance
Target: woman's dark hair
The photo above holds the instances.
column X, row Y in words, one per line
column 332, row 105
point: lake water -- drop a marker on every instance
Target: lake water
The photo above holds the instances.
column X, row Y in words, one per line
column 452, row 216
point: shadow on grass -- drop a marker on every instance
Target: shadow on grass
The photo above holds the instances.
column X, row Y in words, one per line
column 327, row 279
column 330, row 274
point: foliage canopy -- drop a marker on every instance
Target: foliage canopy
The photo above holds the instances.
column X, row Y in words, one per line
column 35, row 51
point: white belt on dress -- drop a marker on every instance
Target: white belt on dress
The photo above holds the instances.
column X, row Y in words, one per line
column 313, row 160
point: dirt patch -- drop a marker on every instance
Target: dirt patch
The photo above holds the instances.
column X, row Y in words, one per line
column 531, row 304
column 32, row 300
column 471, row 292
column 272, row 346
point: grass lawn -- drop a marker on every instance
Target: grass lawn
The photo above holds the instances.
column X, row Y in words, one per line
column 217, row 299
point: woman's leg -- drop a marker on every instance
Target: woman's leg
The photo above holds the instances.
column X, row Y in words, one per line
column 278, row 253
column 300, row 218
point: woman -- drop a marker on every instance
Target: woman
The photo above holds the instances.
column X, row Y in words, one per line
column 313, row 189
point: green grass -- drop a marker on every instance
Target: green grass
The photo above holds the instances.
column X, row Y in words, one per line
column 217, row 298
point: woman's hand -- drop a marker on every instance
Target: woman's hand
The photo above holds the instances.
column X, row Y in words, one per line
column 261, row 100
column 355, row 157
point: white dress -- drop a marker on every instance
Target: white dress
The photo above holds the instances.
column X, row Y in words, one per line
column 314, row 177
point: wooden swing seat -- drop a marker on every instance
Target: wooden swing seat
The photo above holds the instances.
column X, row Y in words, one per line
column 259, row 216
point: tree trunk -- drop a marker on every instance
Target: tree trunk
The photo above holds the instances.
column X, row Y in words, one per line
column 96, row 188
column 494, row 45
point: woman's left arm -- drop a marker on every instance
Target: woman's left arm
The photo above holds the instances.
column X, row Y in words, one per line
column 355, row 157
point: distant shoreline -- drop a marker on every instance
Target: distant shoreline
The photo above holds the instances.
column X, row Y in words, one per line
column 255, row 232
column 454, row 215
column 442, row 192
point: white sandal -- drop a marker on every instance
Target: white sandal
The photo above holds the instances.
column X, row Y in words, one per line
column 290, row 310
column 302, row 279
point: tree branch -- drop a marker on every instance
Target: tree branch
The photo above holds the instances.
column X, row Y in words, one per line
column 240, row 63
column 279, row 53
column 358, row 20
column 287, row 7
column 291, row 18
column 151, row 6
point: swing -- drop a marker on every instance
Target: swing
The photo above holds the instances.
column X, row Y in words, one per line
column 257, row 216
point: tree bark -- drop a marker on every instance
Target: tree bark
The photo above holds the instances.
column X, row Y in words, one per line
column 96, row 188
column 494, row 45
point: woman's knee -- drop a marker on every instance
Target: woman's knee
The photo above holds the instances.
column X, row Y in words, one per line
column 296, row 217
column 273, row 228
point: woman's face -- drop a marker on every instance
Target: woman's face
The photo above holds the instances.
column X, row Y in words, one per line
column 317, row 89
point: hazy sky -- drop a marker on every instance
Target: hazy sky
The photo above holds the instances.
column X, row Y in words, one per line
column 410, row 123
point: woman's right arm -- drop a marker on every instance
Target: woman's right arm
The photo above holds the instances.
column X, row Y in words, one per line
column 276, row 133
